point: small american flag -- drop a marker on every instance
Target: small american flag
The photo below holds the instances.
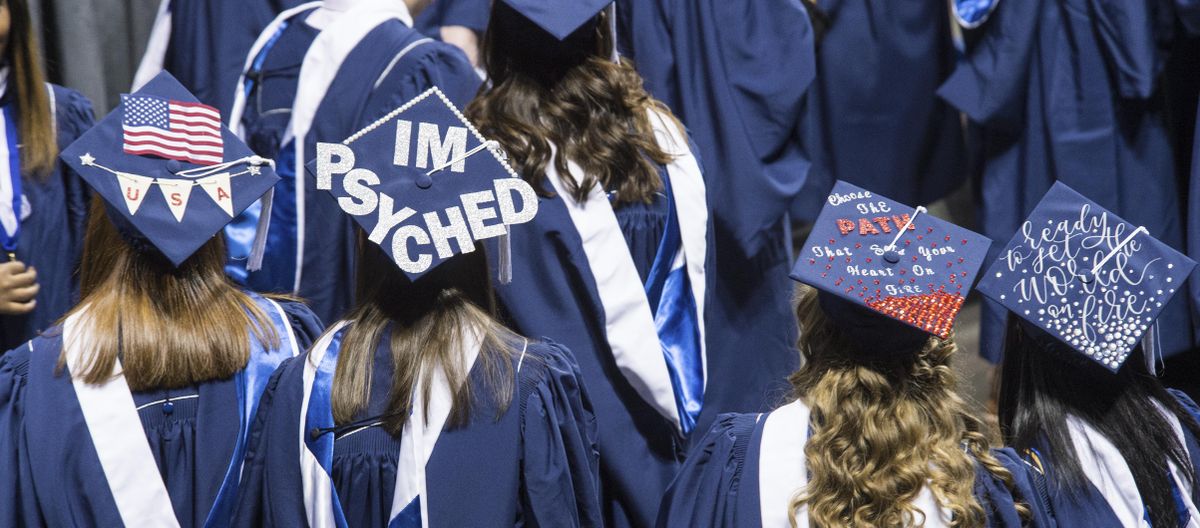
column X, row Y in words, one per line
column 172, row 129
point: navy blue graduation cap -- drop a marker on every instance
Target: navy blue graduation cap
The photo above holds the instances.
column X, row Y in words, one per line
column 559, row 18
column 878, row 256
column 1085, row 276
column 170, row 172
column 425, row 185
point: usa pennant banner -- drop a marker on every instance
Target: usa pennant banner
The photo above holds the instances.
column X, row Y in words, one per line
column 133, row 189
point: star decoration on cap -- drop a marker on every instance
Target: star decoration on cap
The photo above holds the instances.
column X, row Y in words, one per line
column 87, row 159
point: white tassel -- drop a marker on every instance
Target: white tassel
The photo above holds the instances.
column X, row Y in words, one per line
column 505, row 257
column 254, row 263
column 612, row 28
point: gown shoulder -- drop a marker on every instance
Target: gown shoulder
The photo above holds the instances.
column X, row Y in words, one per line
column 305, row 323
column 74, row 113
column 705, row 492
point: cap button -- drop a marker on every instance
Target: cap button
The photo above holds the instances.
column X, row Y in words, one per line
column 424, row 181
column 891, row 256
column 1086, row 276
column 168, row 408
column 173, row 166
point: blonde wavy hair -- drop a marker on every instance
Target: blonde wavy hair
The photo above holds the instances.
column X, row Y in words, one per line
column 884, row 426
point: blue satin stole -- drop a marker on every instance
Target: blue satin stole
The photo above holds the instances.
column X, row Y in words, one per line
column 278, row 273
column 669, row 292
column 251, row 382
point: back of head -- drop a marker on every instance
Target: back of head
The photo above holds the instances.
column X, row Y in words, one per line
column 168, row 326
column 1044, row 382
column 571, row 94
column 886, row 423
column 425, row 319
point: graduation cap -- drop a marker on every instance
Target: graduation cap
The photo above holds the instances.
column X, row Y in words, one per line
column 170, row 172
column 559, row 18
column 871, row 256
column 1085, row 276
column 425, row 185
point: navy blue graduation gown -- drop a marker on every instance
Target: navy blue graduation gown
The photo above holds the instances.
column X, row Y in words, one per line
column 873, row 116
column 532, row 464
column 51, row 239
column 52, row 476
column 471, row 14
column 736, row 74
column 1067, row 91
column 553, row 294
column 718, row 486
column 367, row 86
column 208, row 42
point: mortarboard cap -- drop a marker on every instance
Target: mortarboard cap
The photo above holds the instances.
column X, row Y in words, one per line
column 425, row 185
column 170, row 172
column 559, row 19
column 872, row 256
column 1085, row 276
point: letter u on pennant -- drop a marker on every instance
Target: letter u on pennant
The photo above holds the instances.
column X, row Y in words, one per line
column 133, row 189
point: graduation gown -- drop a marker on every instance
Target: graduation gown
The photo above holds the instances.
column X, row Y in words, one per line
column 1066, row 90
column 531, row 462
column 744, row 472
column 51, row 236
column 202, row 42
column 873, row 117
column 572, row 282
column 736, row 74
column 471, row 14
column 1110, row 497
column 54, row 474
column 365, row 63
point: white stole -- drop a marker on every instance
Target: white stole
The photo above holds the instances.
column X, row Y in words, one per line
column 629, row 323
column 783, row 471
column 112, row 420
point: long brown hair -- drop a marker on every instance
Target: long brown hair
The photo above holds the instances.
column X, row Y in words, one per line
column 884, row 429
column 425, row 318
column 569, row 94
column 169, row 327
column 39, row 146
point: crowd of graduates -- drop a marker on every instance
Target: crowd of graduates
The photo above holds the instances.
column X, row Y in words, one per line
column 451, row 263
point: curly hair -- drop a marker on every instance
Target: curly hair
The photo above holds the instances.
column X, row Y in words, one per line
column 884, row 428
column 571, row 95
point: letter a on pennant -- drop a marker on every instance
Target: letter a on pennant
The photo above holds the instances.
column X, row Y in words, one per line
column 176, row 193
column 217, row 187
column 133, row 188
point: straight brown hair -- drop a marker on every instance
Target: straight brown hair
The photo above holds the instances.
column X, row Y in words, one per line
column 425, row 318
column 35, row 126
column 569, row 94
column 169, row 326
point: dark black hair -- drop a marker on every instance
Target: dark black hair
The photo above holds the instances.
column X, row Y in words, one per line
column 1044, row 381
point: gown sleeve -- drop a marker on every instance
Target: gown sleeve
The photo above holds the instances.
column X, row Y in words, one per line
column 1000, row 502
column 1127, row 33
column 990, row 81
column 74, row 117
column 270, row 492
column 560, row 461
column 704, row 493
column 1187, row 402
column 306, row 325
column 16, row 489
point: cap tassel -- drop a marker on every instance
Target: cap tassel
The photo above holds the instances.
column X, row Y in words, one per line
column 505, row 273
column 254, row 263
column 1152, row 351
